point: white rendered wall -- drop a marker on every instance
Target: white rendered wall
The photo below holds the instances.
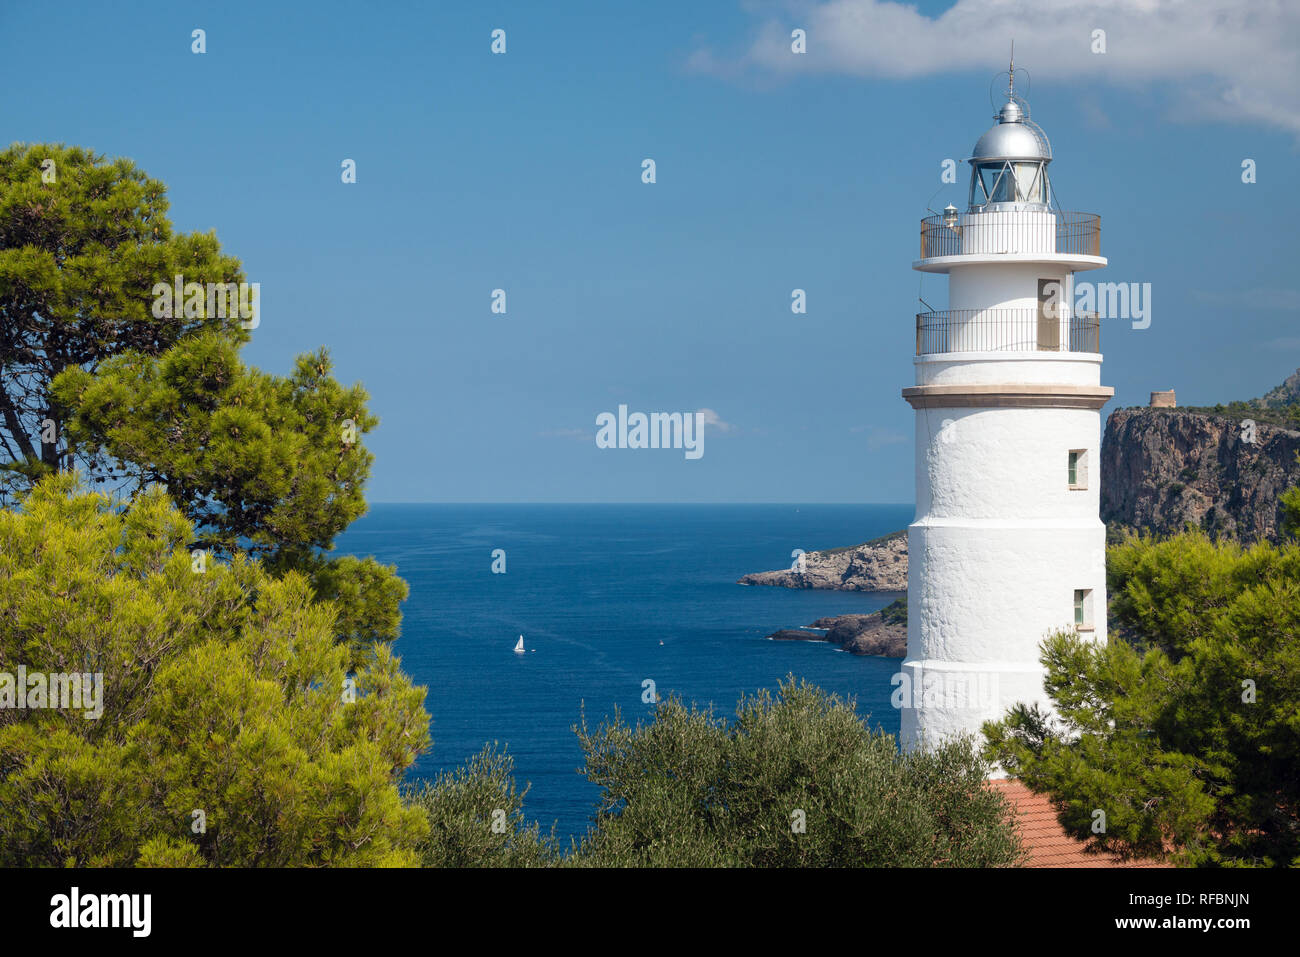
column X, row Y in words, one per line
column 1005, row 464
column 999, row 545
column 1004, row 285
column 1022, row 368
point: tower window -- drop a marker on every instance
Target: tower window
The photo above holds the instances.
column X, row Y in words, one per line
column 1077, row 471
column 1083, row 609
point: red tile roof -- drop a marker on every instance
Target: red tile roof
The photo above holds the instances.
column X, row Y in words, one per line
column 1046, row 840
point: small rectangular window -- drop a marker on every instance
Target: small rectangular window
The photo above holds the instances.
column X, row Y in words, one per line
column 1083, row 609
column 1077, row 470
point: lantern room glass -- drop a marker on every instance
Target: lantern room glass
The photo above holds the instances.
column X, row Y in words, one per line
column 1009, row 181
column 1030, row 181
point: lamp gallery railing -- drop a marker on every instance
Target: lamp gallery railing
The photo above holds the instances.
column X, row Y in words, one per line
column 1012, row 231
column 1006, row 330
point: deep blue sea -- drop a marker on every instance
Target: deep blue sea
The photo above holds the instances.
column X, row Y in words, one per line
column 607, row 596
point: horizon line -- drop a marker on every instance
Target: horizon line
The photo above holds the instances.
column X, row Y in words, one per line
column 799, row 504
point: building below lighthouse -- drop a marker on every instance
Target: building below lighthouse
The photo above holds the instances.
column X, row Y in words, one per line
column 1007, row 545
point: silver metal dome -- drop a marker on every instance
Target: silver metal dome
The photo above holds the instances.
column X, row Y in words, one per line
column 1015, row 137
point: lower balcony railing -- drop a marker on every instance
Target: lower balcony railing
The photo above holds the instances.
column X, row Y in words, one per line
column 1006, row 330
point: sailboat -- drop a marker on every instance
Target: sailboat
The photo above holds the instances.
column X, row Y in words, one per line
column 519, row 648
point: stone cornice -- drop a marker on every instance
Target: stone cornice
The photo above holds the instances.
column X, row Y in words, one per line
column 1008, row 395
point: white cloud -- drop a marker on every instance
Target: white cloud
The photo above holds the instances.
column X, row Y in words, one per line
column 1227, row 59
column 714, row 421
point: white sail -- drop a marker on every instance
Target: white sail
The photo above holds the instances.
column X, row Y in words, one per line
column 519, row 648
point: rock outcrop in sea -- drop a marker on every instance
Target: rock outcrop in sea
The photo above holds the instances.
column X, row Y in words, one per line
column 882, row 633
column 877, row 565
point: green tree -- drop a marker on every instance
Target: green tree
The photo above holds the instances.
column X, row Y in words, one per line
column 83, row 240
column 476, row 817
column 1191, row 739
column 224, row 693
column 269, row 466
column 796, row 781
column 266, row 465
column 1290, row 501
column 155, row 401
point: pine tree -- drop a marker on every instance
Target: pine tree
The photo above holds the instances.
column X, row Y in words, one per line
column 233, row 730
column 83, row 241
column 269, row 466
column 1188, row 738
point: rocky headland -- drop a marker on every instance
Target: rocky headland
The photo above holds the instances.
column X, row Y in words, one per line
column 877, row 565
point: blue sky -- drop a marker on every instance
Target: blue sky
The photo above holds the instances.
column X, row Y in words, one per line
column 522, row 171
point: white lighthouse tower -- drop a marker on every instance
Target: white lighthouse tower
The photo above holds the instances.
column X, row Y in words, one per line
column 1007, row 545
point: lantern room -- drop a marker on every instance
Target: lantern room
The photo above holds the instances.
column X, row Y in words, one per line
column 1009, row 164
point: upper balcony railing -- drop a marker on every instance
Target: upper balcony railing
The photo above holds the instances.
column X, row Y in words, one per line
column 1006, row 330
column 1013, row 231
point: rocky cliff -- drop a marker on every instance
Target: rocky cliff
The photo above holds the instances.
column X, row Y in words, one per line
column 1164, row 469
column 878, row 565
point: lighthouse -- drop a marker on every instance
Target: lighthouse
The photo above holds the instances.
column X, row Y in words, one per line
column 1007, row 545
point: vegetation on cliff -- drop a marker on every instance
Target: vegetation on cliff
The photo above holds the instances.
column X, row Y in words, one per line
column 1279, row 406
column 895, row 613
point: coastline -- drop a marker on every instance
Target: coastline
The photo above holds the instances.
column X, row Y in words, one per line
column 879, row 634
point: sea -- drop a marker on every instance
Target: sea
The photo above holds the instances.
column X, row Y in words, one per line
column 608, row 598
